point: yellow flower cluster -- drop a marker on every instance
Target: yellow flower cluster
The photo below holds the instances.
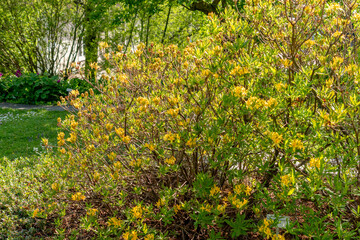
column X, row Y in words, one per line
column 173, row 112
column 114, row 221
column 239, row 70
column 142, row 101
column 171, row 137
column 149, row 237
column 266, row 229
column 126, row 139
column 91, row 211
column 103, row 45
column 136, row 163
column 160, row 202
column 171, row 160
column 130, row 235
column 177, row 208
column 286, row 180
column 72, row 137
column 137, row 211
column 333, row 8
column 239, row 204
column 55, row 186
column 120, row 131
column 297, row 144
column 191, row 142
column 112, row 156
column 78, row 197
column 276, row 137
column 239, row 91
column 315, row 162
column 151, row 147
column 60, row 138
column 336, row 62
column 280, row 86
column 206, row 207
column 272, row 102
column 215, row 190
column 173, row 101
column 253, row 103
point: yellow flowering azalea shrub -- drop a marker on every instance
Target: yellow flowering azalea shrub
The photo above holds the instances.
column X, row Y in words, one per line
column 261, row 117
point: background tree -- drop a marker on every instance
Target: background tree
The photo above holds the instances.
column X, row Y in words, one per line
column 36, row 35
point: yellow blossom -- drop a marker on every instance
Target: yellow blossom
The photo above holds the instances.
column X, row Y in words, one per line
column 297, row 144
column 149, row 237
column 109, row 126
column 177, row 207
column 173, row 112
column 72, row 138
column 191, row 142
column 276, row 137
column 286, row 180
column 206, row 208
column 238, row 189
column 126, row 139
column 91, row 211
column 55, row 186
column 45, row 141
column 78, row 196
column 103, row 45
column 160, row 202
column 280, row 86
column 171, row 137
column 73, row 125
column 221, row 208
column 96, row 176
column 137, row 211
column 151, row 147
column 62, row 150
column 214, row 190
column 248, row 190
column 239, row 91
column 90, row 148
column 117, row 165
column 112, row 156
column 120, row 131
column 142, row 101
column 170, row 161
column 114, row 222
column 135, row 163
column 239, row 70
column 315, row 162
column 156, row 100
column 239, row 204
column 35, row 213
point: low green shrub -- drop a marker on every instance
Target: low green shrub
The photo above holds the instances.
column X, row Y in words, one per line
column 31, row 88
column 261, row 117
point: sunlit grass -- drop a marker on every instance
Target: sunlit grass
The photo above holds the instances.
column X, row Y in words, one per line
column 21, row 131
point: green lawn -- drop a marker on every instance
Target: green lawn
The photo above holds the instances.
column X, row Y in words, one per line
column 21, row 131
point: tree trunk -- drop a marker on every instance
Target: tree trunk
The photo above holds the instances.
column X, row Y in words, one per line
column 90, row 42
column 166, row 24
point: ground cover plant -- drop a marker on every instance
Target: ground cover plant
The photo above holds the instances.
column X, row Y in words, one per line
column 261, row 117
column 21, row 131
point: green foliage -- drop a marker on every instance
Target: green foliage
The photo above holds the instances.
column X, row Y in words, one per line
column 37, row 35
column 260, row 117
column 31, row 88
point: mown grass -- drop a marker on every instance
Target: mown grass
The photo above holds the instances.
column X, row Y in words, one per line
column 21, row 131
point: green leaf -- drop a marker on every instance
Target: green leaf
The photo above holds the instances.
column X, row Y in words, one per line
column 291, row 191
